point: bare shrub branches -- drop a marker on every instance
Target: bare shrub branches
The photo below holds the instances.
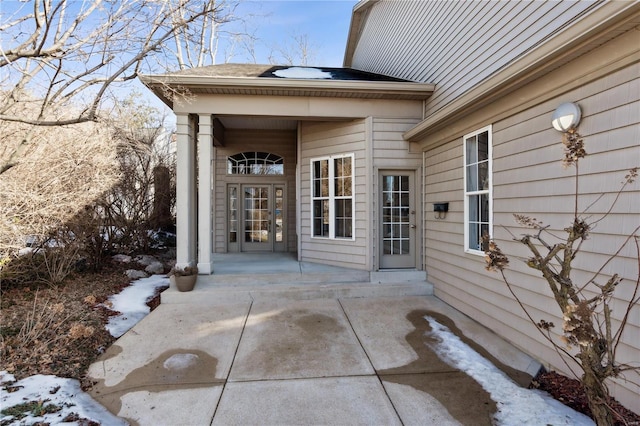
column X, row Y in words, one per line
column 586, row 308
column 59, row 174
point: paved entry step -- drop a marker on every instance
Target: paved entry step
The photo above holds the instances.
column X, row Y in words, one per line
column 264, row 277
column 220, row 294
column 397, row 276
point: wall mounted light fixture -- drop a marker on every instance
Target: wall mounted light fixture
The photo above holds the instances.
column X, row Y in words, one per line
column 566, row 117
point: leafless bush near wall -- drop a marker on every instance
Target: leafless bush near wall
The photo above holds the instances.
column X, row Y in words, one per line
column 590, row 335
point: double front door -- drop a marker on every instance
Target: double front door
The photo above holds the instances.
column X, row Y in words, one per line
column 256, row 217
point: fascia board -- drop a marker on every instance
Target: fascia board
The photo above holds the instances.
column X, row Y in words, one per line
column 347, row 86
column 358, row 18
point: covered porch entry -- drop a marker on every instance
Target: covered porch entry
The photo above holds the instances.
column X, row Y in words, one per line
column 255, row 145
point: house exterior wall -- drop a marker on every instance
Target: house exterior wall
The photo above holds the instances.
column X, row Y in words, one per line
column 341, row 125
column 280, row 142
column 377, row 144
column 392, row 153
column 456, row 44
column 320, row 139
column 528, row 178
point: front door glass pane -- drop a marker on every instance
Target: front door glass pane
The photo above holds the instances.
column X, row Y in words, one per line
column 395, row 215
column 279, row 192
column 233, row 214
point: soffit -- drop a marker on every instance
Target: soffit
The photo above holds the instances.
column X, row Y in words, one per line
column 257, row 123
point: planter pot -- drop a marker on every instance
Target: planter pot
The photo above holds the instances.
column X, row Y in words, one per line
column 184, row 282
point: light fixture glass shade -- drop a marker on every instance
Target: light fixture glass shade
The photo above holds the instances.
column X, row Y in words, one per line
column 566, row 117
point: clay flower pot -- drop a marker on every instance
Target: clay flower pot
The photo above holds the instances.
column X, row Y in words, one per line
column 184, row 282
column 184, row 278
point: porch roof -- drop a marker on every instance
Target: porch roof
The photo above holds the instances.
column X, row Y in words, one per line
column 282, row 80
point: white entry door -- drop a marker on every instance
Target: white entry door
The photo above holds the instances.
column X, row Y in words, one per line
column 256, row 218
column 397, row 217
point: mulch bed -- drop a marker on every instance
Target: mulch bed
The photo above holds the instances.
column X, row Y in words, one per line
column 571, row 393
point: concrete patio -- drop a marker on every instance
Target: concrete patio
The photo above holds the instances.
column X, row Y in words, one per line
column 308, row 353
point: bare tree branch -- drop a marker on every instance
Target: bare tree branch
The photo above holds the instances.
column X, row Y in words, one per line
column 75, row 51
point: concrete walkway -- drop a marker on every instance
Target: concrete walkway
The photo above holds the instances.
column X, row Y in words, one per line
column 275, row 361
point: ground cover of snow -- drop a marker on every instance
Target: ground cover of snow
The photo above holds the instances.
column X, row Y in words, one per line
column 49, row 391
column 515, row 405
column 66, row 393
column 131, row 303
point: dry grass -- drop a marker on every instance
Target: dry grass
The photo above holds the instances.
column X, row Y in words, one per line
column 57, row 330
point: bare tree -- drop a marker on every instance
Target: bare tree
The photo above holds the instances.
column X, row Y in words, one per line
column 83, row 190
column 244, row 42
column 299, row 51
column 589, row 324
column 128, row 208
column 61, row 52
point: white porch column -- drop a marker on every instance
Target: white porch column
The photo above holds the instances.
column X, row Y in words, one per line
column 205, row 178
column 185, row 191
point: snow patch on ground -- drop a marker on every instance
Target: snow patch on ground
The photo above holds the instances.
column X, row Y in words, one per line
column 180, row 361
column 63, row 393
column 516, row 405
column 306, row 73
column 131, row 303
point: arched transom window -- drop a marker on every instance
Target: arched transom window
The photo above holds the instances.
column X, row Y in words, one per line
column 255, row 163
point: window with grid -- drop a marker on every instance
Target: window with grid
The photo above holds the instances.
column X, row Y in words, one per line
column 255, row 163
column 332, row 197
column 477, row 193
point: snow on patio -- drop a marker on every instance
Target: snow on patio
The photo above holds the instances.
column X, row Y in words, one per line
column 515, row 405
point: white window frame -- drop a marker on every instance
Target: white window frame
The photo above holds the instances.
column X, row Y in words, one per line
column 332, row 197
column 488, row 191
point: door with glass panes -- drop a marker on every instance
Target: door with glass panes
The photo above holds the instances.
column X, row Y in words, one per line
column 256, row 217
column 397, row 220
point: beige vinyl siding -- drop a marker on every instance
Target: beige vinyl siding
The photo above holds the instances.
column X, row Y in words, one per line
column 529, row 179
column 389, row 148
column 391, row 152
column 278, row 142
column 321, row 140
column 456, row 44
